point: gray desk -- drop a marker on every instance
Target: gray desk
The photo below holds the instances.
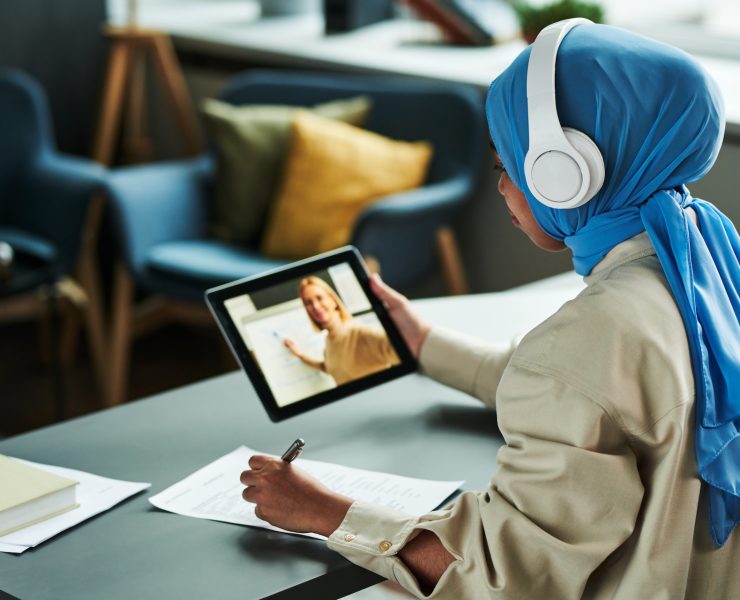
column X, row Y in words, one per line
column 412, row 427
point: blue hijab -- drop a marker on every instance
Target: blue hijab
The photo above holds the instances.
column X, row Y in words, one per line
column 658, row 120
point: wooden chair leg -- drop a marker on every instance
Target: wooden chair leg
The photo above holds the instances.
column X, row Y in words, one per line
column 120, row 339
column 94, row 322
column 74, row 304
column 137, row 145
column 452, row 267
column 44, row 328
column 110, row 110
column 92, row 303
column 57, row 370
column 165, row 61
column 22, row 308
column 69, row 334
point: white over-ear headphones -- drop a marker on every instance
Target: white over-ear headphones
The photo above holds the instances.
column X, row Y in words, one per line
column 563, row 167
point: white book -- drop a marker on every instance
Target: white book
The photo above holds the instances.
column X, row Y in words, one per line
column 30, row 495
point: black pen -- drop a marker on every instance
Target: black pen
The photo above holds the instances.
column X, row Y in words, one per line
column 294, row 451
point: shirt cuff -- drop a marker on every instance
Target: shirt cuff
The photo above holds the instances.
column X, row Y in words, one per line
column 371, row 536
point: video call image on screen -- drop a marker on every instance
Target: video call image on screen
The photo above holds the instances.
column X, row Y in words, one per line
column 312, row 333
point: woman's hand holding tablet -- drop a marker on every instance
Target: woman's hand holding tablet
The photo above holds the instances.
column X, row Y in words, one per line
column 314, row 331
column 411, row 327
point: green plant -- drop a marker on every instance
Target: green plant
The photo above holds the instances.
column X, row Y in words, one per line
column 534, row 18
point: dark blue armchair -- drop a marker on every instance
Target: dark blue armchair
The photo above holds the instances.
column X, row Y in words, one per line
column 161, row 210
column 45, row 196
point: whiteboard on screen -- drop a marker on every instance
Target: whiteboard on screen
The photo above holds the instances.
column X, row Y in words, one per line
column 289, row 378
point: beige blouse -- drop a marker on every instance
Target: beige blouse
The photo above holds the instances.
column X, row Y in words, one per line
column 357, row 350
column 595, row 493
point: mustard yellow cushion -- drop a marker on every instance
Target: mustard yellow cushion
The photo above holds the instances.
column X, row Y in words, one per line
column 251, row 144
column 332, row 172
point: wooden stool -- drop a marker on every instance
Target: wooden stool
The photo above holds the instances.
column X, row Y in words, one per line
column 130, row 47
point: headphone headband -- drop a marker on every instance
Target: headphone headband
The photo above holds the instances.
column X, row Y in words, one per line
column 542, row 110
column 563, row 167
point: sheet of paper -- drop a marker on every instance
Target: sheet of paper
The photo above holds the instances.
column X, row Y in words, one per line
column 95, row 494
column 12, row 548
column 214, row 492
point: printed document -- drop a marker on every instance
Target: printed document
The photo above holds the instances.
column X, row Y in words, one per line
column 214, row 492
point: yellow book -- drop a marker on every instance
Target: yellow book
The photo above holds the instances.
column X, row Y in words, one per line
column 29, row 495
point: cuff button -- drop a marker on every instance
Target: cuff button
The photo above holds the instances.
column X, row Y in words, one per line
column 384, row 546
column 349, row 537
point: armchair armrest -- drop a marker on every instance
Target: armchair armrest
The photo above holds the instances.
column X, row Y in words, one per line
column 57, row 190
column 157, row 203
column 399, row 230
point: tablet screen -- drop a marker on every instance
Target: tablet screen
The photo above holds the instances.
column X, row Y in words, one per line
column 310, row 333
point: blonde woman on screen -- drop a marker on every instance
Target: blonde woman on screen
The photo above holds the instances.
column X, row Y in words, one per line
column 353, row 350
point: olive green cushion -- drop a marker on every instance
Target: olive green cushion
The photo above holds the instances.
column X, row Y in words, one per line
column 251, row 143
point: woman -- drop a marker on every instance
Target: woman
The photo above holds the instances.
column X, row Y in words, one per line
column 352, row 350
column 620, row 477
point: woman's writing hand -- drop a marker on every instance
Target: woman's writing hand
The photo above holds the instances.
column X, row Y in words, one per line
column 413, row 329
column 290, row 345
column 287, row 497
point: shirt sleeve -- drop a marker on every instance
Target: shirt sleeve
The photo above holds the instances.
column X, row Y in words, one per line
column 466, row 363
column 566, row 495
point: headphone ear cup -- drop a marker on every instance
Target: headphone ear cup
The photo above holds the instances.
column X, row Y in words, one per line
column 591, row 154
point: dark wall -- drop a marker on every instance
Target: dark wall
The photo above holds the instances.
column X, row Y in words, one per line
column 60, row 43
